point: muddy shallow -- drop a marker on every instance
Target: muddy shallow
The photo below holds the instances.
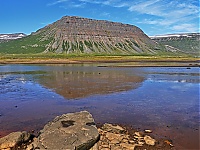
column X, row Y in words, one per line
column 164, row 99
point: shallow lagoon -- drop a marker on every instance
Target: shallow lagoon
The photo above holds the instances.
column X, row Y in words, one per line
column 164, row 99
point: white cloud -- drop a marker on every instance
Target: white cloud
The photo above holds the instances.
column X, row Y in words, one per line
column 112, row 3
column 81, row 5
column 57, row 2
column 69, row 3
column 170, row 14
column 164, row 9
column 146, row 7
column 105, row 14
column 186, row 27
column 95, row 1
column 174, row 15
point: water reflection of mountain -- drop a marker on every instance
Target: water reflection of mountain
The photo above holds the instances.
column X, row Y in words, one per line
column 77, row 84
column 175, row 77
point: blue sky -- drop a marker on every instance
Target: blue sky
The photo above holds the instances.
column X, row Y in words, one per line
column 154, row 17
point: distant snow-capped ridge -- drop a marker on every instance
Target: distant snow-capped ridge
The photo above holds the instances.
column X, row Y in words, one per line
column 12, row 36
column 189, row 35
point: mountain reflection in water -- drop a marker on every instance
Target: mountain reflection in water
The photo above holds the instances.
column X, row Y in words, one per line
column 73, row 84
column 164, row 99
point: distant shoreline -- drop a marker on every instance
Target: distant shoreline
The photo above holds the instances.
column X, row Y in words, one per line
column 110, row 61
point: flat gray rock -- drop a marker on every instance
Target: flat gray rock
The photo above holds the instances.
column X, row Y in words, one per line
column 73, row 131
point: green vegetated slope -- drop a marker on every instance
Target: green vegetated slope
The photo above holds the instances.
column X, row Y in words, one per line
column 30, row 44
column 188, row 43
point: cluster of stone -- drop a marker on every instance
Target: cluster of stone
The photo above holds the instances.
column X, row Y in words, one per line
column 77, row 131
column 114, row 137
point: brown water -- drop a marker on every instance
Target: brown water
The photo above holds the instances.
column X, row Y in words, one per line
column 164, row 99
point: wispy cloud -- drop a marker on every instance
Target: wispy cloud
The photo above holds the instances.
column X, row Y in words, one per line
column 165, row 10
column 175, row 15
column 67, row 3
column 106, row 14
column 187, row 27
column 80, row 5
column 151, row 7
column 56, row 2
column 113, row 3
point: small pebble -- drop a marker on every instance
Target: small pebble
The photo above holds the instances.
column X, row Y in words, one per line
column 141, row 143
column 148, row 131
column 137, row 133
column 168, row 142
column 115, row 141
column 104, row 146
column 131, row 142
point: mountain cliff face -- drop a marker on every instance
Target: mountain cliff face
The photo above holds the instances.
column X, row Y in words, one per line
column 186, row 42
column 81, row 35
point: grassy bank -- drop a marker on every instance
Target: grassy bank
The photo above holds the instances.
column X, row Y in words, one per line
column 64, row 58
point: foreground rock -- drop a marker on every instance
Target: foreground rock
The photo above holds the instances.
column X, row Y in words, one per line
column 77, row 131
column 69, row 131
column 13, row 140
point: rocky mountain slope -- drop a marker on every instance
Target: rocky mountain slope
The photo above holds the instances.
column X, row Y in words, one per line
column 8, row 37
column 187, row 42
column 75, row 34
column 82, row 35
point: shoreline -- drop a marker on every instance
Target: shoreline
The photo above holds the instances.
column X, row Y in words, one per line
column 71, row 130
column 112, row 62
column 164, row 141
column 116, row 63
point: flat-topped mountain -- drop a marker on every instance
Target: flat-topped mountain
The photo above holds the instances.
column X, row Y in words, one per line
column 187, row 42
column 8, row 37
column 82, row 35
